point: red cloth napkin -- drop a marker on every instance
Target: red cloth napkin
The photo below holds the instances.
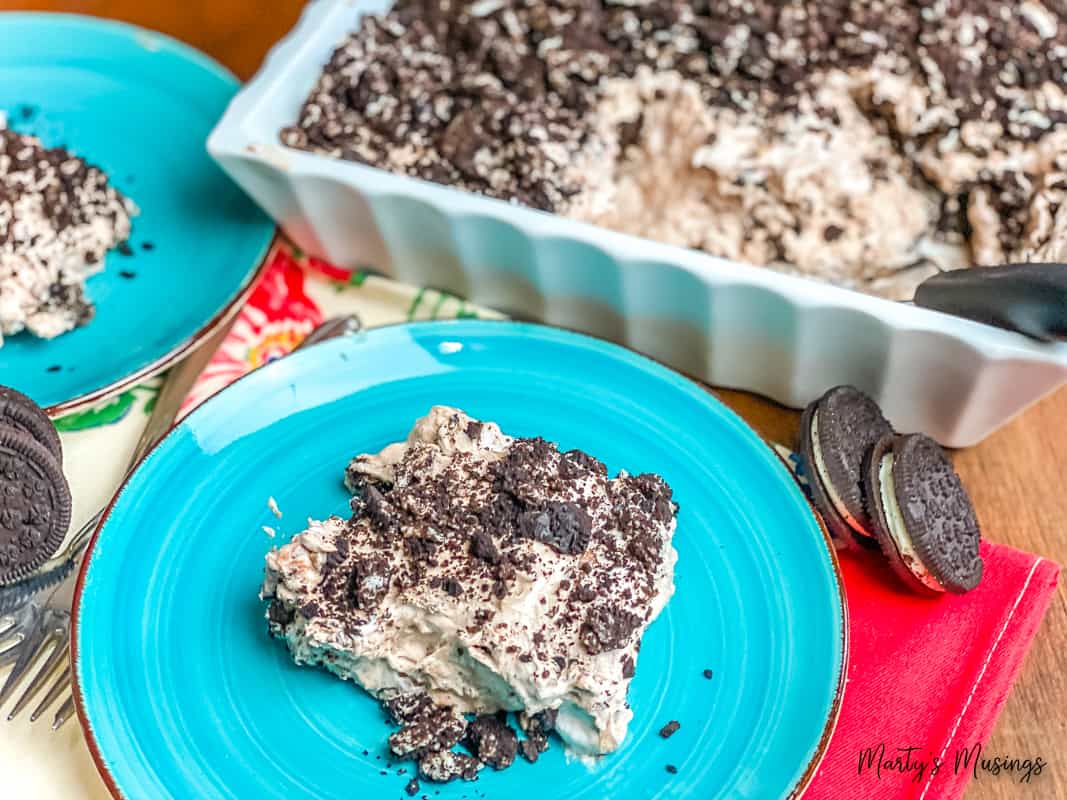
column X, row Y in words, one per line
column 930, row 675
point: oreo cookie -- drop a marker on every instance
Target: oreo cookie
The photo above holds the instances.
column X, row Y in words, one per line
column 837, row 432
column 922, row 515
column 21, row 413
column 34, row 505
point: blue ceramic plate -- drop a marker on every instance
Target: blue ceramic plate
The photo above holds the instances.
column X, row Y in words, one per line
column 140, row 106
column 183, row 694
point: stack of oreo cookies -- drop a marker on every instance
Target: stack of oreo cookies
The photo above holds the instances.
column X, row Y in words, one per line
column 35, row 499
column 890, row 491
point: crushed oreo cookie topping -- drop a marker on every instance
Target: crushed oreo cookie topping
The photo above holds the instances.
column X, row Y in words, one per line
column 368, row 582
column 434, row 728
column 536, row 727
column 442, row 766
column 867, row 144
column 607, row 629
column 491, row 740
column 565, row 527
column 429, row 734
column 58, row 218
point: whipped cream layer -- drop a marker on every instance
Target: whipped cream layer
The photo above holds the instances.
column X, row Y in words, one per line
column 489, row 572
column 58, row 218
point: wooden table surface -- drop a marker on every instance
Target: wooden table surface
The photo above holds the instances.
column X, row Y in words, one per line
column 1018, row 477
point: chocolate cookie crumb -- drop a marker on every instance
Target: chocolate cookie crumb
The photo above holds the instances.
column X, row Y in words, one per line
column 531, row 749
column 408, row 707
column 445, row 765
column 565, row 527
column 671, row 728
column 607, row 629
column 279, row 614
column 369, row 582
column 575, row 462
column 491, row 740
column 536, row 727
column 483, row 547
column 437, row 729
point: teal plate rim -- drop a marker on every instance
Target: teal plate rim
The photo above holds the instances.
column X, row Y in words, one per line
column 257, row 265
column 833, row 714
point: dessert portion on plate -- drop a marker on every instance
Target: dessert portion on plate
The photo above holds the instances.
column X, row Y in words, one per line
column 58, row 218
column 481, row 574
column 866, row 144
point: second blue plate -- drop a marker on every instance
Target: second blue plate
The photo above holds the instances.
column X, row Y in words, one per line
column 183, row 694
column 139, row 105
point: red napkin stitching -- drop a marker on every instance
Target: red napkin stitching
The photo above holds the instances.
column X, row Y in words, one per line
column 981, row 673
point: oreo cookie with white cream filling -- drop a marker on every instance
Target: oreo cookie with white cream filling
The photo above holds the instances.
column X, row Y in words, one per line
column 839, row 529
column 20, row 412
column 35, row 505
column 922, row 516
column 836, row 433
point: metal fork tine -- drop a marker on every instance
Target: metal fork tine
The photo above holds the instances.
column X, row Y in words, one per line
column 55, row 658
column 10, row 652
column 18, row 622
column 66, row 711
column 62, row 684
column 13, row 631
column 28, row 652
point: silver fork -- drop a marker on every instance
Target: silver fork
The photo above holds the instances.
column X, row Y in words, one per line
column 46, row 630
column 38, row 609
column 35, row 627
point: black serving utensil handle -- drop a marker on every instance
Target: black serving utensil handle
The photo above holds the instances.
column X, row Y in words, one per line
column 1030, row 299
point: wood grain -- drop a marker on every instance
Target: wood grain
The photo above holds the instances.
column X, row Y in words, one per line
column 1018, row 477
column 236, row 32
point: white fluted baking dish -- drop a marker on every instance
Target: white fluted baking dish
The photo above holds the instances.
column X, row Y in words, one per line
column 726, row 323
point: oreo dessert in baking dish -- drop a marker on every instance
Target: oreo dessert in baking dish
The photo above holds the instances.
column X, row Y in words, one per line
column 866, row 144
column 480, row 575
